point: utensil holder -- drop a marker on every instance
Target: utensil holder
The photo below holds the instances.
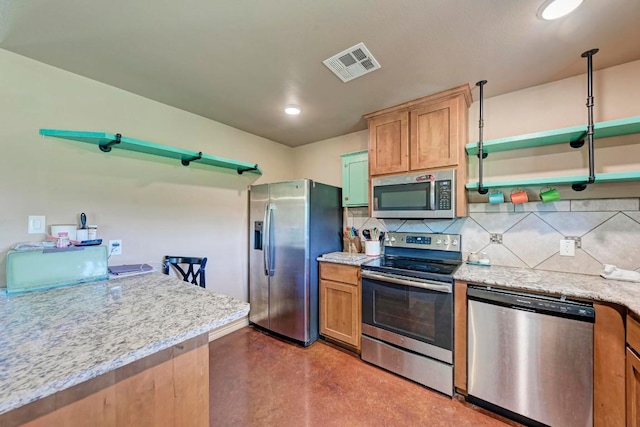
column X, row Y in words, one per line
column 372, row 248
column 351, row 245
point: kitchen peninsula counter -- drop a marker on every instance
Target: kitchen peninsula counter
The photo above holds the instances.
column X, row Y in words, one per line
column 55, row 340
column 583, row 286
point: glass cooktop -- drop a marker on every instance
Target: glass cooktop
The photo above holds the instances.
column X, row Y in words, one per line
column 398, row 264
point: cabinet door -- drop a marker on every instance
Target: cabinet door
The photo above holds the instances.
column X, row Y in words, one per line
column 633, row 389
column 339, row 312
column 434, row 135
column 355, row 179
column 389, row 143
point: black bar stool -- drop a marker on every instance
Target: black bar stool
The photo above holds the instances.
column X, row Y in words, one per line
column 191, row 275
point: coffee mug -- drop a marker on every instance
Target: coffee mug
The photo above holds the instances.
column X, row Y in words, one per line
column 519, row 196
column 548, row 194
column 496, row 197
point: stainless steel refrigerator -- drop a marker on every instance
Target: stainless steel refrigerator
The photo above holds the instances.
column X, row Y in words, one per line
column 290, row 225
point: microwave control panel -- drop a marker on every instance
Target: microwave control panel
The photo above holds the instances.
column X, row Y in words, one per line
column 443, row 195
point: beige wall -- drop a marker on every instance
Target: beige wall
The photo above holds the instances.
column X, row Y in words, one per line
column 556, row 105
column 551, row 106
column 321, row 161
column 156, row 206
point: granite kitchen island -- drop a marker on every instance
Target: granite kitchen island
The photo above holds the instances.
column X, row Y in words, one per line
column 128, row 351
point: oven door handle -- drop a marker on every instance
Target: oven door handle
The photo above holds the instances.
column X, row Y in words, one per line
column 416, row 283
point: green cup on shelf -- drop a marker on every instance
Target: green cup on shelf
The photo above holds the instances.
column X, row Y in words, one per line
column 548, row 194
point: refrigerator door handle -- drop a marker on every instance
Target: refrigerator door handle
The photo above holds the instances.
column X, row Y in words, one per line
column 265, row 247
column 270, row 257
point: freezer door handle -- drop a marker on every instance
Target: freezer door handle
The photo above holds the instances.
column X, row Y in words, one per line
column 265, row 247
column 268, row 255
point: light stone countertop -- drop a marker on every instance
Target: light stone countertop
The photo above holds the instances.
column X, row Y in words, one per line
column 594, row 288
column 55, row 339
column 585, row 286
column 345, row 258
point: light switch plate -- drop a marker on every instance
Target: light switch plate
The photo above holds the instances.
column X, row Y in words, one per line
column 37, row 224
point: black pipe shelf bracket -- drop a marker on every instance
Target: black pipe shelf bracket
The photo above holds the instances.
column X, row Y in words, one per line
column 481, row 154
column 579, row 142
column 242, row 170
column 106, row 141
column 105, row 148
column 185, row 162
column 581, row 186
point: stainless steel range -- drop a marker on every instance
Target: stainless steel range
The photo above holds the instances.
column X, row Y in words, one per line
column 407, row 307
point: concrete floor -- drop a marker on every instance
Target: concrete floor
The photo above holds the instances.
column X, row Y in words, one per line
column 259, row 380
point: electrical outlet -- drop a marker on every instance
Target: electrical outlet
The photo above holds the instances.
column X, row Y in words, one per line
column 37, row 224
column 567, row 247
column 115, row 247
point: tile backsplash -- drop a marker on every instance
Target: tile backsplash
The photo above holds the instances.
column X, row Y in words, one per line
column 609, row 232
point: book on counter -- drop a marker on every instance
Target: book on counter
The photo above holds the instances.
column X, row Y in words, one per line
column 129, row 269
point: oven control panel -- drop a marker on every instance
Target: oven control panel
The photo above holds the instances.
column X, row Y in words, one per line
column 419, row 240
column 443, row 242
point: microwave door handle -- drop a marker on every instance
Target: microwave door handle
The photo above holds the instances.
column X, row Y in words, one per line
column 432, row 196
column 416, row 283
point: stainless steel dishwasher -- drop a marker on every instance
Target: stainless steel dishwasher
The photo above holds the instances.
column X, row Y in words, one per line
column 530, row 357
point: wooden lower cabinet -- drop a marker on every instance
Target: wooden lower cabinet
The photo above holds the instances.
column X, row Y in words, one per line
column 608, row 366
column 167, row 388
column 633, row 389
column 340, row 316
column 460, row 337
column 633, row 372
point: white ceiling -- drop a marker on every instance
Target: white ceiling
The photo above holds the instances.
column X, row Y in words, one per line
column 240, row 61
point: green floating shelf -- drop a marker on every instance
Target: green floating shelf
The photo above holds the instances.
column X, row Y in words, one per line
column 558, row 180
column 557, row 136
column 106, row 141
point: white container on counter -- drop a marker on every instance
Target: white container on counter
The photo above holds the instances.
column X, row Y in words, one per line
column 70, row 229
column 372, row 247
column 92, row 232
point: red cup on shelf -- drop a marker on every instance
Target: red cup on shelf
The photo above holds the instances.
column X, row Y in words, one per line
column 519, row 196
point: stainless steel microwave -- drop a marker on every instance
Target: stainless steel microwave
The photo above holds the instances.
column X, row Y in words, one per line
column 421, row 195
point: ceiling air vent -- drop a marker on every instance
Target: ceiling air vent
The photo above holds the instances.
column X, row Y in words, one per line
column 352, row 63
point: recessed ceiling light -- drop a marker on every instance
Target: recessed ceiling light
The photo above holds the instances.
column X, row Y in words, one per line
column 292, row 110
column 554, row 9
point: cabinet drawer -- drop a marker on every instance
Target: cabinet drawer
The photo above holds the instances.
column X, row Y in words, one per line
column 633, row 333
column 340, row 272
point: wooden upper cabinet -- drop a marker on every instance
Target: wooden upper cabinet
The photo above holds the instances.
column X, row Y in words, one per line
column 426, row 133
column 389, row 143
column 434, row 136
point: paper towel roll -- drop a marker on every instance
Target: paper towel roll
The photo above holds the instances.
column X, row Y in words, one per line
column 69, row 228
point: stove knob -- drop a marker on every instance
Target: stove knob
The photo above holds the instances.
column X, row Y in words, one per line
column 438, row 241
column 446, row 242
column 455, row 242
column 393, row 239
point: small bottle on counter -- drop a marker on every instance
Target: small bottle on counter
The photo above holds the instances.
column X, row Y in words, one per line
column 92, row 232
column 63, row 239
